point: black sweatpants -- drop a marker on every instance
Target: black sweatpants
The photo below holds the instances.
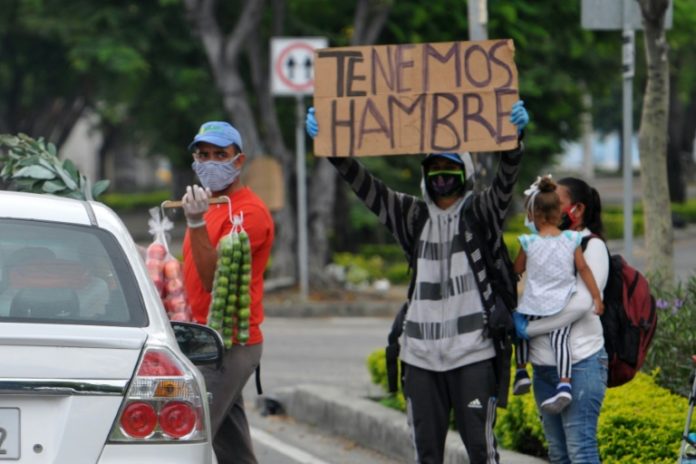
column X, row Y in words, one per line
column 431, row 396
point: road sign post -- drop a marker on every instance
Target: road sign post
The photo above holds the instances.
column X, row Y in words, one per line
column 292, row 65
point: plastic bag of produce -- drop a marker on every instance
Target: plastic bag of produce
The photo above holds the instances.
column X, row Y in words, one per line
column 230, row 306
column 165, row 270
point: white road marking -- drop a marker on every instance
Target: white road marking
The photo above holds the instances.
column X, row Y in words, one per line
column 283, row 448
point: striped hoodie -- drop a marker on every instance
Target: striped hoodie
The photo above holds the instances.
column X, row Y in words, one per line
column 444, row 326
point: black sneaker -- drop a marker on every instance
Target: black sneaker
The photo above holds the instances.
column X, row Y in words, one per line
column 522, row 383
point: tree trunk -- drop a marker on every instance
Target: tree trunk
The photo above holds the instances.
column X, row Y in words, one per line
column 369, row 19
column 653, row 145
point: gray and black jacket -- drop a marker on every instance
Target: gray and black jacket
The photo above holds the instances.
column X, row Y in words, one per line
column 445, row 321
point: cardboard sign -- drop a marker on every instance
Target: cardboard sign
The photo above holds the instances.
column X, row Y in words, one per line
column 415, row 98
column 264, row 176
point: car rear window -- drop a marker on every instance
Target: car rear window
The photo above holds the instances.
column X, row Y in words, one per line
column 66, row 274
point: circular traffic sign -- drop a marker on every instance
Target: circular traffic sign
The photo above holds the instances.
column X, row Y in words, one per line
column 295, row 66
column 292, row 64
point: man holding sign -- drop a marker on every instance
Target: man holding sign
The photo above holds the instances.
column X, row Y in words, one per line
column 450, row 362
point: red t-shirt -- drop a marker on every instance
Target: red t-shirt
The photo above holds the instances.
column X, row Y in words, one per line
column 258, row 224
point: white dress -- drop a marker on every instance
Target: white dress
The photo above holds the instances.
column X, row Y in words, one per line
column 550, row 270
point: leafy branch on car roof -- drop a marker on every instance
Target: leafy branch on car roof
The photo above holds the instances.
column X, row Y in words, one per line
column 32, row 165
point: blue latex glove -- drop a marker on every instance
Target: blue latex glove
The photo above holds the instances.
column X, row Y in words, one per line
column 520, row 325
column 519, row 116
column 311, row 125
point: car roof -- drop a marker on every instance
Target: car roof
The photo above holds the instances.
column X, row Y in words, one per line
column 44, row 207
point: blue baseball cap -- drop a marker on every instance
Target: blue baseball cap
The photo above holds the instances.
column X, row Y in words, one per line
column 450, row 156
column 218, row 133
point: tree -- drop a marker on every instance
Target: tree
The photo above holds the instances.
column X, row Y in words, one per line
column 653, row 143
column 682, row 100
column 226, row 45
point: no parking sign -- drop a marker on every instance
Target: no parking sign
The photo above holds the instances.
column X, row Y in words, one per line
column 292, row 64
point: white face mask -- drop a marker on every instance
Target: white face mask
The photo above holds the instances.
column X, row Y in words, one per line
column 216, row 175
column 530, row 225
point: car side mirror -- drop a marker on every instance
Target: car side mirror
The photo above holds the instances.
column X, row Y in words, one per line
column 200, row 343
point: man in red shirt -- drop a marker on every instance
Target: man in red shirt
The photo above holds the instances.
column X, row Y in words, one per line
column 218, row 161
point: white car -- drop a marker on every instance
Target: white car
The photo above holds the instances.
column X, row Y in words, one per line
column 91, row 369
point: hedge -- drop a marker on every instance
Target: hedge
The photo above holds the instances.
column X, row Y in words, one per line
column 640, row 421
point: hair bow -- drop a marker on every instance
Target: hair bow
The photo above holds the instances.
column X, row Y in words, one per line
column 533, row 190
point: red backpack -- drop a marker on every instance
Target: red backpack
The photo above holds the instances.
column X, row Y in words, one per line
column 629, row 320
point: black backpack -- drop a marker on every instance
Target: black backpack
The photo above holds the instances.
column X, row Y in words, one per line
column 499, row 325
column 629, row 320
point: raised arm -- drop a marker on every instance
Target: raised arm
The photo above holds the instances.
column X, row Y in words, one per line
column 397, row 211
column 492, row 205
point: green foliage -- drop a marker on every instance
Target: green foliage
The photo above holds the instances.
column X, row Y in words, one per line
column 33, row 166
column 377, row 367
column 518, row 426
column 135, row 63
column 512, row 243
column 614, row 225
column 360, row 269
column 398, row 273
column 686, row 210
column 641, row 422
column 132, row 201
column 675, row 340
column 374, row 262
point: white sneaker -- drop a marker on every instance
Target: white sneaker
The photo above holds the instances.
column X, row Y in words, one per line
column 557, row 402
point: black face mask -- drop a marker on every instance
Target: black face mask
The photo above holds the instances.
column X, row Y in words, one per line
column 566, row 221
column 445, row 183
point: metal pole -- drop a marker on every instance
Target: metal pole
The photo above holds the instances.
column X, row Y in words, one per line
column 586, row 124
column 478, row 30
column 628, row 70
column 301, row 198
column 478, row 19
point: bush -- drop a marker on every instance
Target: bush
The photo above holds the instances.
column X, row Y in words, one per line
column 686, row 210
column 360, row 269
column 390, row 253
column 131, row 201
column 675, row 340
column 398, row 273
column 640, row 421
column 614, row 225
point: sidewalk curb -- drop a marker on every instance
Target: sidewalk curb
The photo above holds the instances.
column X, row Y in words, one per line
column 369, row 423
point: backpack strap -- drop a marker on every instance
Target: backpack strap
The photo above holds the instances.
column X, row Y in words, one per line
column 586, row 239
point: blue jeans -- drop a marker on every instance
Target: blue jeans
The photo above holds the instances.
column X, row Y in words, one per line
column 572, row 435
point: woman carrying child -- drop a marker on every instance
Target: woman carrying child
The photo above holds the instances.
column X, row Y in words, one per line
column 551, row 258
column 572, row 434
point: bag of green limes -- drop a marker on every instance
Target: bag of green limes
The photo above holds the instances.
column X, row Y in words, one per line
column 230, row 305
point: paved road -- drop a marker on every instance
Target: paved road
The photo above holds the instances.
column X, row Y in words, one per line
column 327, row 351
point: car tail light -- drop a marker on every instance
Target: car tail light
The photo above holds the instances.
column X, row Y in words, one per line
column 139, row 419
column 177, row 419
column 163, row 402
